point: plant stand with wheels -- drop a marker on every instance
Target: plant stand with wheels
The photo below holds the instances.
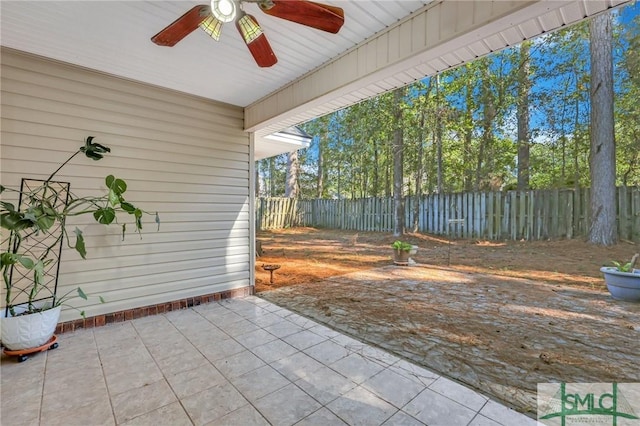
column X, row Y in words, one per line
column 23, row 354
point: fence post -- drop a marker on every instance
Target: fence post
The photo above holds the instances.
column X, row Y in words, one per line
column 635, row 214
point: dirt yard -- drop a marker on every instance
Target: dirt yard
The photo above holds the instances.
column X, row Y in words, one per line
column 308, row 255
column 497, row 316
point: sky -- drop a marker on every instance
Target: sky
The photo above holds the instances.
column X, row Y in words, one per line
column 542, row 130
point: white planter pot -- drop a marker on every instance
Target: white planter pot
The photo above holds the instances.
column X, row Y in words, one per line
column 28, row 331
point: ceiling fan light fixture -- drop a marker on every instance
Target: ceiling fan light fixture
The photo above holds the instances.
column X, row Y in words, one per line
column 249, row 28
column 212, row 26
column 223, row 10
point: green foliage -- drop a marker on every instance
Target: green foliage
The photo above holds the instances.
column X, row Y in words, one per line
column 622, row 267
column 472, row 111
column 628, row 266
column 41, row 210
column 626, row 105
column 92, row 150
column 401, row 245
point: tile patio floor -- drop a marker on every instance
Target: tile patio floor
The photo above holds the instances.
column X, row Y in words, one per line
column 238, row 362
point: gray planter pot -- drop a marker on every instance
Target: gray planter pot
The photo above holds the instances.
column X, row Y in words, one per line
column 622, row 285
column 400, row 257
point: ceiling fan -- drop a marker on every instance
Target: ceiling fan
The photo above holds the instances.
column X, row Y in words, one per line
column 211, row 18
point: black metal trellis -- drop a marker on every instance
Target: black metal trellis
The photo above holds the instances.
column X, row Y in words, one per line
column 36, row 244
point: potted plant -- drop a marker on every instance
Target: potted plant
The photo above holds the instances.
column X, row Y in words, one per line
column 623, row 280
column 33, row 232
column 401, row 251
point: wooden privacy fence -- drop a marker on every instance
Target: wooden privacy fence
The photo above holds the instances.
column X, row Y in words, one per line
column 530, row 215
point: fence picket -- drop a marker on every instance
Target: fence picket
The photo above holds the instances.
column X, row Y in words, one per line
column 635, row 214
column 539, row 214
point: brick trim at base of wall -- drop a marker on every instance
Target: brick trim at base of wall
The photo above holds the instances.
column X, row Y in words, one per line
column 129, row 314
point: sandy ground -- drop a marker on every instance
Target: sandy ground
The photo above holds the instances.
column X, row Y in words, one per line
column 500, row 317
column 307, row 255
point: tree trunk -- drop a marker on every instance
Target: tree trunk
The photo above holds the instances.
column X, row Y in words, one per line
column 375, row 190
column 487, row 133
column 272, row 177
column 576, row 147
column 339, row 180
column 419, row 174
column 257, row 178
column 524, row 87
column 320, row 178
column 468, row 137
column 291, row 183
column 602, row 154
column 438, row 131
column 398, row 178
column 388, row 170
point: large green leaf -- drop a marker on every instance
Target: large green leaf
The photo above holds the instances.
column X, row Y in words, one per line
column 113, row 198
column 105, row 215
column 27, row 262
column 45, row 221
column 7, row 206
column 8, row 259
column 15, row 221
column 127, row 207
column 118, row 186
column 82, row 294
column 32, row 215
column 49, row 211
column 92, row 150
column 80, row 248
column 38, row 272
column 138, row 215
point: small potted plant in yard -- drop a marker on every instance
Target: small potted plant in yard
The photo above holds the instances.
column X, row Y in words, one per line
column 401, row 252
column 33, row 231
column 623, row 280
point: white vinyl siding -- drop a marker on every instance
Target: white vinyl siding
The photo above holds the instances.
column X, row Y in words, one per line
column 186, row 157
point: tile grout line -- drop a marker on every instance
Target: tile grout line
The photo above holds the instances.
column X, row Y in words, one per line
column 230, row 380
column 164, row 377
column 104, row 377
column 478, row 414
column 350, row 350
column 294, row 382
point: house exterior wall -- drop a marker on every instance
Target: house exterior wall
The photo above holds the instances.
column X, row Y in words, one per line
column 185, row 157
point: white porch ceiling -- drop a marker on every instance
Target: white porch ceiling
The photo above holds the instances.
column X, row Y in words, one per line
column 114, row 37
column 377, row 49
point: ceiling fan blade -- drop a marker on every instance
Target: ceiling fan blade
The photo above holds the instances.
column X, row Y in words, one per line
column 262, row 52
column 256, row 41
column 182, row 27
column 316, row 15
